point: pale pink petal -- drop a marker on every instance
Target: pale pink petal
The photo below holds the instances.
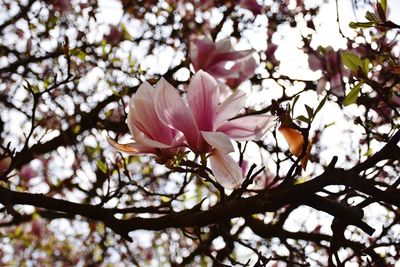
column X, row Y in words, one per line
column 218, row 70
column 270, row 52
column 200, row 53
column 336, row 85
column 233, row 55
column 245, row 69
column 173, row 112
column 224, row 45
column 179, row 140
column 251, row 5
column 314, row 62
column 131, row 148
column 321, row 86
column 144, row 140
column 226, row 170
column 230, row 107
column 143, row 116
column 203, row 96
column 248, row 128
column 219, row 141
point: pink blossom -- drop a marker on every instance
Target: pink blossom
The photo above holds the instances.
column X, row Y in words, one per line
column 114, row 37
column 226, row 170
column 209, row 126
column 27, row 172
column 37, row 228
column 213, row 58
column 270, row 52
column 251, row 5
column 245, row 68
column 62, row 5
column 149, row 133
column 333, row 71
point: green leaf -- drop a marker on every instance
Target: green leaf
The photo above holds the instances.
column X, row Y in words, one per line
column 294, row 103
column 115, row 93
column 295, row 100
column 81, row 55
column 329, row 124
column 353, row 95
column 303, row 119
column 320, row 105
column 310, row 111
column 371, row 16
column 384, row 5
column 102, row 166
column 368, row 153
column 76, row 129
column 364, row 25
column 352, row 61
column 381, row 12
column 366, row 63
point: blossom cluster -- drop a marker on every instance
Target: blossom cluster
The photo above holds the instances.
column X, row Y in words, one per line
column 162, row 123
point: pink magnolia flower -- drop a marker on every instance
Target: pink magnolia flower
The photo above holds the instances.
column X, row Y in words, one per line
column 244, row 68
column 37, row 228
column 27, row 172
column 209, row 126
column 151, row 135
column 62, row 5
column 114, row 37
column 333, row 70
column 251, row 5
column 213, row 58
column 270, row 52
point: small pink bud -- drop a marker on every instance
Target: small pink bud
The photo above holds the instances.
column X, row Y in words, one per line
column 27, row 172
column 114, row 37
column 251, row 5
column 37, row 228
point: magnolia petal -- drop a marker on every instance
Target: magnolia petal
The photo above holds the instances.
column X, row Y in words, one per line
column 218, row 70
column 321, row 86
column 144, row 140
column 226, row 170
column 224, row 45
column 218, row 140
column 245, row 68
column 314, row 62
column 200, row 51
column 337, row 84
column 143, row 116
column 130, row 148
column 233, row 55
column 251, row 5
column 172, row 111
column 248, row 128
column 230, row 107
column 203, row 96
